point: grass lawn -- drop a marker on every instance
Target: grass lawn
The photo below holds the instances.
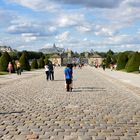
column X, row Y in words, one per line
column 135, row 72
column 3, row 73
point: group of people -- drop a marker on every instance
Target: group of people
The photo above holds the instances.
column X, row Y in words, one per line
column 10, row 68
column 49, row 70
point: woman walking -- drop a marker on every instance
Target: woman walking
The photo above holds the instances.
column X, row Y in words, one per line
column 10, row 67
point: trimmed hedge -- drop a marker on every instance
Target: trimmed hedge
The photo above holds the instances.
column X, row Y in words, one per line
column 24, row 62
column 34, row 64
column 133, row 63
column 41, row 63
column 122, row 61
column 4, row 60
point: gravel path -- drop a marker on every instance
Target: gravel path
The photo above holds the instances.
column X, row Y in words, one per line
column 97, row 109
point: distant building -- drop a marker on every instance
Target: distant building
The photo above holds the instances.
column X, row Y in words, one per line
column 52, row 49
column 95, row 60
column 56, row 60
column 6, row 49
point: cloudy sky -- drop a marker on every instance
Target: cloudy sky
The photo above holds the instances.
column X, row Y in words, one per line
column 81, row 25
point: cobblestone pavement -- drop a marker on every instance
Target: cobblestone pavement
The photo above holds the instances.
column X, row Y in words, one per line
column 32, row 108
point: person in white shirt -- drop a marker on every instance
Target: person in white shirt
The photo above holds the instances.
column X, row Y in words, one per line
column 47, row 72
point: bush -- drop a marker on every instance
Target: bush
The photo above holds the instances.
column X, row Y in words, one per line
column 108, row 61
column 24, row 62
column 122, row 61
column 47, row 61
column 4, row 60
column 133, row 63
column 34, row 64
column 41, row 63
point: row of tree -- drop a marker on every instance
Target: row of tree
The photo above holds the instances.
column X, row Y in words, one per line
column 26, row 63
column 128, row 60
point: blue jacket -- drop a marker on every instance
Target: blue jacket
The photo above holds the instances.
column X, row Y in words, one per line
column 68, row 73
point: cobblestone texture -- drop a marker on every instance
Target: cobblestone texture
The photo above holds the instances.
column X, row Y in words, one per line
column 32, row 108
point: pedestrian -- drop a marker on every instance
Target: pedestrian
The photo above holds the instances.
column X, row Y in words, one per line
column 47, row 72
column 71, row 85
column 10, row 67
column 51, row 70
column 18, row 66
column 68, row 77
column 103, row 66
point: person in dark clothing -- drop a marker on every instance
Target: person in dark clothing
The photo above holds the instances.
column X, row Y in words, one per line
column 68, row 77
column 103, row 65
column 71, row 85
column 18, row 65
column 51, row 71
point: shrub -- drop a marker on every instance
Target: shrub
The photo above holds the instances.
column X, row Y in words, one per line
column 133, row 63
column 41, row 63
column 4, row 60
column 34, row 64
column 108, row 61
column 47, row 61
column 122, row 61
column 24, row 62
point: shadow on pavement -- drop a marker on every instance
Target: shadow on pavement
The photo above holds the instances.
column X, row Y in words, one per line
column 13, row 112
column 88, row 89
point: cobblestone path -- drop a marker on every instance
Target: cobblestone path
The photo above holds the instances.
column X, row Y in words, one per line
column 32, row 108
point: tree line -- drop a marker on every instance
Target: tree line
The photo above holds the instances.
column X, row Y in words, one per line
column 128, row 60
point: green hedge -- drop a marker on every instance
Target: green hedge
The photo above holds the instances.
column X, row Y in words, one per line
column 34, row 64
column 4, row 60
column 122, row 61
column 133, row 63
column 24, row 62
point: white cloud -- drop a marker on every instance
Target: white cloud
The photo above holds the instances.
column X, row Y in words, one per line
column 93, row 3
column 104, row 32
column 63, row 37
column 84, row 28
column 69, row 19
column 37, row 5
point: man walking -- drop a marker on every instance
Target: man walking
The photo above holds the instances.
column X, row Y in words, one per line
column 51, row 71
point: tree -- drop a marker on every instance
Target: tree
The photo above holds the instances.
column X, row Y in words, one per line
column 4, row 60
column 133, row 63
column 122, row 61
column 13, row 55
column 47, row 60
column 110, row 53
column 34, row 64
column 24, row 62
column 108, row 61
column 41, row 63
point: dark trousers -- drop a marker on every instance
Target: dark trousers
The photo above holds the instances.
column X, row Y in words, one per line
column 51, row 75
column 68, row 82
column 47, row 75
column 18, row 71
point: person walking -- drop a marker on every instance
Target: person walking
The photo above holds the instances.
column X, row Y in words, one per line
column 10, row 67
column 47, row 72
column 103, row 66
column 68, row 77
column 18, row 65
column 51, row 71
column 71, row 85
